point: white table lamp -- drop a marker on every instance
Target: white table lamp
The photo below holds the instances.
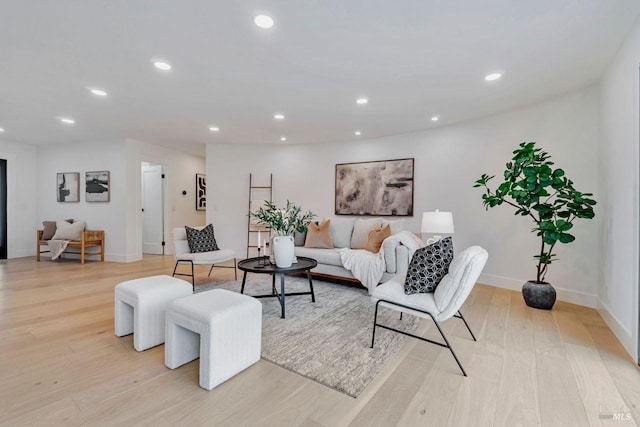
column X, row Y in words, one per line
column 437, row 223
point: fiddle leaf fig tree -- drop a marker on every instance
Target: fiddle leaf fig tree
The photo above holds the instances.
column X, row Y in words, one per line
column 538, row 190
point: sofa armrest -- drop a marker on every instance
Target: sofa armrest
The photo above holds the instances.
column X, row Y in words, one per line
column 396, row 256
column 402, row 259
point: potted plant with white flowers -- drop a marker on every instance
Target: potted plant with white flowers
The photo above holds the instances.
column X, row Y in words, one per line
column 284, row 222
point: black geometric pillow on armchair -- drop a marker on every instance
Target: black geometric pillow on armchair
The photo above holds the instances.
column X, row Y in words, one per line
column 428, row 266
column 201, row 240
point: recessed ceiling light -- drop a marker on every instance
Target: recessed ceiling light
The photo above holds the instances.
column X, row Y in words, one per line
column 278, row 116
column 162, row 65
column 284, row 138
column 67, row 120
column 358, row 133
column 493, row 76
column 435, row 118
column 98, row 92
column 263, row 21
column 214, row 128
column 1, row 129
column 362, row 101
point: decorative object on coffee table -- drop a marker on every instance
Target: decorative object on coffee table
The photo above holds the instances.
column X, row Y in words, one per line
column 548, row 197
column 283, row 222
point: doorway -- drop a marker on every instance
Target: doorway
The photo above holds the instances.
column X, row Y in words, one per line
column 153, row 208
column 3, row 209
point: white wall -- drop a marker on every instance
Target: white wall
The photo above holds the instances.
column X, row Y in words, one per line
column 22, row 172
column 447, row 162
column 84, row 157
column 619, row 159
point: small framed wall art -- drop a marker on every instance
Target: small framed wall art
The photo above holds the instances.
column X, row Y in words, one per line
column 201, row 192
column 97, row 185
column 68, row 186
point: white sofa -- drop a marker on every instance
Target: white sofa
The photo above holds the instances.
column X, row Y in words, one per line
column 349, row 232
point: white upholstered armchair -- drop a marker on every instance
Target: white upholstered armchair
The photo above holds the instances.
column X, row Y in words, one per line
column 444, row 303
column 183, row 255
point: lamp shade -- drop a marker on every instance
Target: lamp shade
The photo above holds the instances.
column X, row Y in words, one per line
column 437, row 222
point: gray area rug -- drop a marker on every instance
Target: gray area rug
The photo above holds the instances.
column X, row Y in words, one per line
column 327, row 341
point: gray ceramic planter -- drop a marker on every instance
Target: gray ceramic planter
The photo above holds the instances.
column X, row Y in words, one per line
column 539, row 295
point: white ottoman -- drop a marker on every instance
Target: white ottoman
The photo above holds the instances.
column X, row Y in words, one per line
column 221, row 327
column 140, row 307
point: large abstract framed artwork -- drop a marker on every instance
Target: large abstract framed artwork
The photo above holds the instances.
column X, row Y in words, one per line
column 68, row 186
column 201, row 192
column 375, row 188
column 97, row 186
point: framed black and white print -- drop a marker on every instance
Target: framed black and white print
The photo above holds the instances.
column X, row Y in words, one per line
column 97, row 186
column 68, row 186
column 201, row 192
column 377, row 188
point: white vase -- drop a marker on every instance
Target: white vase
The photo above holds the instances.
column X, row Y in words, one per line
column 283, row 251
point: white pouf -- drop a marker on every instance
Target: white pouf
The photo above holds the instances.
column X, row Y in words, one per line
column 140, row 306
column 221, row 327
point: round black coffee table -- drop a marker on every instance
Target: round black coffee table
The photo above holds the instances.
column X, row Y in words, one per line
column 262, row 265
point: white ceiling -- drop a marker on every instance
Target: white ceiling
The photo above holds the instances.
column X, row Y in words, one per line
column 411, row 58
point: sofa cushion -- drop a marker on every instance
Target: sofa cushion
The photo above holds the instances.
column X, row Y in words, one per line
column 397, row 225
column 66, row 231
column 323, row 256
column 376, row 236
column 361, row 230
column 341, row 229
column 319, row 236
column 428, row 266
column 203, row 240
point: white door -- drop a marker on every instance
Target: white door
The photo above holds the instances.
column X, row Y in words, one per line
column 152, row 210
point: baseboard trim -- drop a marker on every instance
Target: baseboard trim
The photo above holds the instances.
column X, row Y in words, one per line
column 623, row 335
column 566, row 295
column 122, row 258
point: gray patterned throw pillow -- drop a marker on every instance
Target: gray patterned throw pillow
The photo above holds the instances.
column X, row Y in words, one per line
column 428, row 266
column 201, row 240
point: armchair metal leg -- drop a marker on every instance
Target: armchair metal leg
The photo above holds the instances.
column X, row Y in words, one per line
column 235, row 268
column 460, row 316
column 192, row 275
column 446, row 342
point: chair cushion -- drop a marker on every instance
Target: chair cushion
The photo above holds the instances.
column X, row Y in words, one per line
column 464, row 271
column 323, row 256
column 201, row 240
column 393, row 290
column 361, row 230
column 428, row 266
column 376, row 236
column 212, row 257
column 319, row 236
column 67, row 231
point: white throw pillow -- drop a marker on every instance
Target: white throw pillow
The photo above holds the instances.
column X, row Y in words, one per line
column 397, row 225
column 361, row 230
column 341, row 229
column 66, row 231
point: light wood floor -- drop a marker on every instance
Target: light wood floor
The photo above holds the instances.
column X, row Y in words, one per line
column 60, row 364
